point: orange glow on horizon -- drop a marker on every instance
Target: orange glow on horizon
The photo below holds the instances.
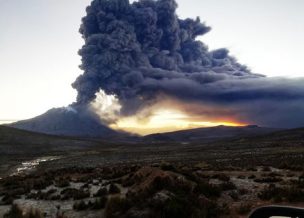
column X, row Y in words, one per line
column 165, row 121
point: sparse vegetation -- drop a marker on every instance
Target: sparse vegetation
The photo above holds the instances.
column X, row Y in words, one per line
column 101, row 192
column 116, row 206
column 17, row 212
column 72, row 193
column 278, row 194
column 62, row 183
column 212, row 187
column 114, row 189
column 244, row 209
column 209, row 190
column 80, row 205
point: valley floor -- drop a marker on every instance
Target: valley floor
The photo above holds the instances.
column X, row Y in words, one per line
column 221, row 179
column 155, row 190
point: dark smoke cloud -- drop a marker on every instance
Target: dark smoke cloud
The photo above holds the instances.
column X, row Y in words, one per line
column 141, row 50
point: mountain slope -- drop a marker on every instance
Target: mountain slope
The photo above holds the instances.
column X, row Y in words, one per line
column 27, row 144
column 10, row 135
column 210, row 133
column 66, row 122
column 290, row 135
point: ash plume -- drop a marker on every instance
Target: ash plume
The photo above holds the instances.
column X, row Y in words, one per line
column 142, row 50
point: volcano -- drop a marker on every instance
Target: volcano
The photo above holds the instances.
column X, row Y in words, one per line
column 67, row 121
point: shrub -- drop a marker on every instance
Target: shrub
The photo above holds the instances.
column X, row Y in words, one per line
column 55, row 197
column 71, row 193
column 175, row 208
column 278, row 194
column 241, row 177
column 115, row 206
column 34, row 213
column 17, row 212
column 227, row 186
column 51, row 191
column 62, row 183
column 234, row 195
column 7, row 199
column 39, row 184
column 266, row 169
column 167, row 167
column 99, row 203
column 244, row 209
column 101, row 192
column 300, row 183
column 273, row 174
column 243, row 191
column 251, row 177
column 221, row 177
column 209, row 209
column 128, row 180
column 269, row 192
column 294, row 194
column 209, row 190
column 80, row 205
column 268, row 180
column 14, row 212
column 114, row 189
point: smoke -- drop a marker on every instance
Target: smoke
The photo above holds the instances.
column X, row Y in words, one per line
column 142, row 52
column 107, row 107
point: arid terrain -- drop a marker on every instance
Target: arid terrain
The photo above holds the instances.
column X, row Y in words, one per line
column 51, row 176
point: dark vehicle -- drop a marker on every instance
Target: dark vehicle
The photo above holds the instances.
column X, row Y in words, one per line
column 277, row 211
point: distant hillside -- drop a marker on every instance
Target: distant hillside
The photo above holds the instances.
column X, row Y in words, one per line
column 17, row 141
column 290, row 135
column 67, row 122
column 211, row 133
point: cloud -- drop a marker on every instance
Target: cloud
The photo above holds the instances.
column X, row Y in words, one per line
column 141, row 51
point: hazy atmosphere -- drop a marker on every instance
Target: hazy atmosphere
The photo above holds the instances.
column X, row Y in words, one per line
column 151, row 108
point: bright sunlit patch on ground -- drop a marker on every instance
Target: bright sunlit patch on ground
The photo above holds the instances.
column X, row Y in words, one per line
column 164, row 121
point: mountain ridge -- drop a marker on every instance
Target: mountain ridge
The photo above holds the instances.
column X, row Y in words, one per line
column 207, row 134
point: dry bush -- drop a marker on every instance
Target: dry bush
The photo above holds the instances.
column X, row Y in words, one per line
column 115, row 207
column 244, row 209
column 72, row 193
column 278, row 194
column 62, row 183
column 80, row 205
column 268, row 180
column 114, row 189
column 101, row 192
column 209, row 190
column 221, row 177
column 17, row 212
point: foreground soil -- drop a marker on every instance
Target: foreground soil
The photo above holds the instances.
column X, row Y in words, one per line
column 67, row 177
column 159, row 189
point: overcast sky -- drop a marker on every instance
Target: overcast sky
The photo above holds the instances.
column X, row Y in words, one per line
column 39, row 41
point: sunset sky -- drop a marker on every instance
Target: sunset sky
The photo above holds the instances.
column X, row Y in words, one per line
column 39, row 42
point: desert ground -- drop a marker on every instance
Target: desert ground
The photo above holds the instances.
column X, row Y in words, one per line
column 96, row 178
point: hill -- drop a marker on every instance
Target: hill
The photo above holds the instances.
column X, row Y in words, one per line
column 20, row 141
column 278, row 137
column 211, row 133
column 17, row 146
column 10, row 135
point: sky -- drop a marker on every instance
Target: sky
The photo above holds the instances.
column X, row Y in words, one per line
column 39, row 42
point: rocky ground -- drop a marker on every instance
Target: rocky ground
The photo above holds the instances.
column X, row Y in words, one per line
column 159, row 189
column 65, row 177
